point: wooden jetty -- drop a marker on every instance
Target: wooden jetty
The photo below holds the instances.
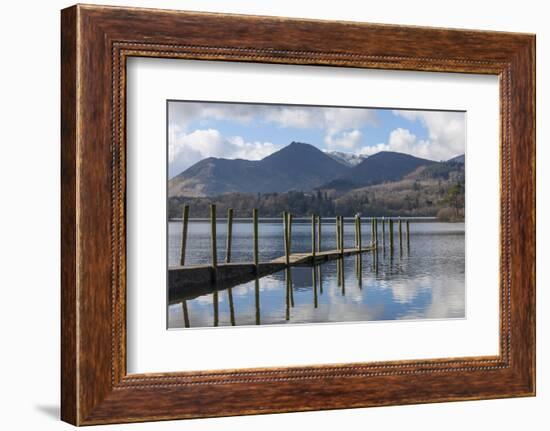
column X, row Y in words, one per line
column 187, row 282
column 190, row 281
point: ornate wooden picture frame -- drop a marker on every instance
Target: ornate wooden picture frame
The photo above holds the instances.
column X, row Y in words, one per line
column 96, row 41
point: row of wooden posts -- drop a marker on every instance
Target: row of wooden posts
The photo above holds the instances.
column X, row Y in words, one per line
column 316, row 238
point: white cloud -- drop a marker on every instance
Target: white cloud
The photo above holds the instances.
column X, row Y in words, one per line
column 348, row 140
column 249, row 150
column 404, row 141
column 343, row 131
column 181, row 114
column 372, row 149
column 335, row 119
column 185, row 149
column 446, row 134
column 339, row 124
column 332, row 120
column 338, row 119
column 292, row 116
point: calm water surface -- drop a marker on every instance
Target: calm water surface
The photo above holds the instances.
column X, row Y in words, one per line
column 423, row 281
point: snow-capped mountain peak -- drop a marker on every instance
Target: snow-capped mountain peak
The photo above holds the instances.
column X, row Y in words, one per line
column 348, row 159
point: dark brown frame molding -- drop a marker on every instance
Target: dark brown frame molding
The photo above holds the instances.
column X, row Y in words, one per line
column 95, row 43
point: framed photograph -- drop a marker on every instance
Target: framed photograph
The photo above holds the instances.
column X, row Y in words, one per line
column 293, row 230
column 264, row 214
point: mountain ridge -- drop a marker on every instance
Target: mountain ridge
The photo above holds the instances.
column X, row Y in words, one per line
column 296, row 167
column 380, row 167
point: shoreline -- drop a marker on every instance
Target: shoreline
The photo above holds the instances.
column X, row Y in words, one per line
column 308, row 219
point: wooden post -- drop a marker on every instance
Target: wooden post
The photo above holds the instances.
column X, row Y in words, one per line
column 213, row 235
column 359, row 236
column 384, row 232
column 337, row 224
column 376, row 241
column 356, row 233
column 359, row 232
column 391, row 235
column 339, row 248
column 342, row 235
column 255, row 237
column 313, row 242
column 408, row 234
column 289, row 233
column 319, row 234
column 372, row 232
column 287, row 251
column 400, row 236
column 229, row 235
column 184, row 222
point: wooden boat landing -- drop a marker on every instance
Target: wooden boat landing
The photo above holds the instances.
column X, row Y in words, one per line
column 191, row 281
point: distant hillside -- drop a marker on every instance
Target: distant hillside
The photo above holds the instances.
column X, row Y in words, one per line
column 303, row 179
column 297, row 166
column 413, row 196
column 385, row 184
column 213, row 176
column 458, row 159
column 443, row 170
column 442, row 198
column 385, row 166
column 381, row 167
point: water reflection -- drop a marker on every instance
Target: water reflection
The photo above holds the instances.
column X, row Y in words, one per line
column 421, row 280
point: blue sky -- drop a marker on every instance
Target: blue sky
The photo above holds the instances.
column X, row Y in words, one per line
column 204, row 129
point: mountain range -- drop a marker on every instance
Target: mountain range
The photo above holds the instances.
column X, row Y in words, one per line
column 298, row 166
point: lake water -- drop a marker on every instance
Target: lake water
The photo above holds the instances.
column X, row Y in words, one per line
column 423, row 281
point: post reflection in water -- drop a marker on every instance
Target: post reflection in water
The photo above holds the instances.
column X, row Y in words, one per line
column 314, row 284
column 257, row 299
column 428, row 283
column 185, row 313
column 359, row 270
column 320, row 278
column 231, row 306
column 290, row 288
column 215, row 301
column 288, row 292
column 341, row 275
column 338, row 269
